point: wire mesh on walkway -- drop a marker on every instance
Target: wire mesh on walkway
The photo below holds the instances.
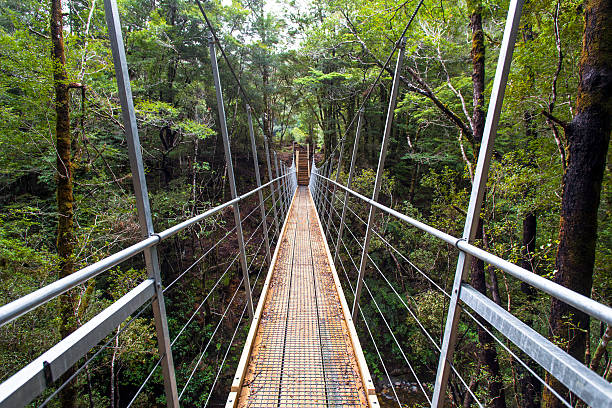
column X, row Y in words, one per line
column 302, row 353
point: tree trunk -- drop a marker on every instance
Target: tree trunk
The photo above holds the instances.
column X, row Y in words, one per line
column 478, row 70
column 268, row 120
column 65, row 199
column 588, row 136
column 488, row 351
column 529, row 387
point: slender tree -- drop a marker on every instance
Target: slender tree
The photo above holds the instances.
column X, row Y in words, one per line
column 588, row 135
column 488, row 352
column 65, row 199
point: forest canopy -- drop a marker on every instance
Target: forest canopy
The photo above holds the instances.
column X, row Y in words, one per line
column 307, row 68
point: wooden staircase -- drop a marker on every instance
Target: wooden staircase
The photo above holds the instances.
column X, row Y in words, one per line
column 303, row 167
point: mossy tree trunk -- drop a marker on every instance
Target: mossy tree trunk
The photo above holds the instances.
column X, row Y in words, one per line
column 65, row 199
column 588, row 135
column 488, row 351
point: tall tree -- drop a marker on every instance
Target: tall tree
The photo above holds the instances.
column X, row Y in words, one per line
column 588, row 135
column 65, row 199
column 488, row 352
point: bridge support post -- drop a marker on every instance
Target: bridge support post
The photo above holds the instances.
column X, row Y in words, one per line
column 258, row 179
column 308, row 157
column 142, row 198
column 315, row 184
column 281, row 196
column 270, row 177
column 320, row 203
column 476, row 197
column 293, row 178
column 327, row 204
column 320, row 192
column 230, row 171
column 379, row 174
column 284, row 172
column 281, row 172
column 311, row 183
column 333, row 192
column 316, row 189
column 348, row 183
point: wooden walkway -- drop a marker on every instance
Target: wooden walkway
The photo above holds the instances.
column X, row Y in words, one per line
column 302, row 349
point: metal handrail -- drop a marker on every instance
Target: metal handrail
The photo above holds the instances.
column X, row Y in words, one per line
column 29, row 302
column 580, row 302
column 582, row 381
column 401, row 299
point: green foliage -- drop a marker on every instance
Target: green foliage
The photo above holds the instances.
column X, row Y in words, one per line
column 307, row 73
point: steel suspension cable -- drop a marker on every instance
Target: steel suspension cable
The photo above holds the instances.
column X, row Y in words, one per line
column 400, row 254
column 396, row 293
column 217, row 328
column 390, row 246
column 505, row 347
column 203, row 302
column 217, row 283
column 211, row 249
column 145, row 382
column 229, row 347
column 96, row 354
column 391, row 332
column 382, row 70
column 456, row 372
column 372, row 338
column 203, row 353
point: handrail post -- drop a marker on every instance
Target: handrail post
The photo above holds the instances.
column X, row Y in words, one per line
column 333, row 192
column 317, row 191
column 286, row 182
column 296, row 157
column 327, row 203
column 314, row 180
column 142, row 199
column 294, row 177
column 321, row 190
column 308, row 157
column 283, row 186
column 270, row 178
column 349, row 181
column 379, row 174
column 311, row 183
column 281, row 197
column 230, row 172
column 258, row 179
column 476, row 197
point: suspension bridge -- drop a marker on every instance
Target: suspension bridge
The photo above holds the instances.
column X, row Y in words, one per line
column 302, row 348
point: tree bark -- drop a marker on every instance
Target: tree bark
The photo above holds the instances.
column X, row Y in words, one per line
column 478, row 69
column 530, row 388
column 588, row 136
column 601, row 349
column 65, row 199
column 488, row 351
